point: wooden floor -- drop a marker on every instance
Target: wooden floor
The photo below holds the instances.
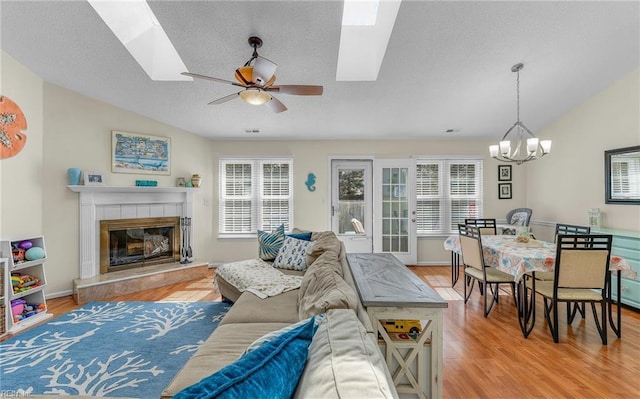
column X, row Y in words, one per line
column 489, row 358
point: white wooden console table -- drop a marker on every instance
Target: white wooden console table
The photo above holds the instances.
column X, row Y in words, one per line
column 390, row 291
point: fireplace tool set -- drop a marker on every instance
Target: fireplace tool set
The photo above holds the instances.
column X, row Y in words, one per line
column 186, row 255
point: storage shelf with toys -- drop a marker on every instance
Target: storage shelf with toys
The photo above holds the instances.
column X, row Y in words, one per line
column 24, row 299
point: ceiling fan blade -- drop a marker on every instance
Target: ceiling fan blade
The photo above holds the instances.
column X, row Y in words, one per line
column 198, row 76
column 263, row 70
column 276, row 105
column 224, row 99
column 301, row 90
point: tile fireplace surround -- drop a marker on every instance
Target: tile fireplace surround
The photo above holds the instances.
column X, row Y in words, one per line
column 98, row 203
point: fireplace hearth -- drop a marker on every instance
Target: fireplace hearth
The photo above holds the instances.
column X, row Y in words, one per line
column 132, row 243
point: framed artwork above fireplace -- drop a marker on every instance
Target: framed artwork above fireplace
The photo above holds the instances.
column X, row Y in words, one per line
column 140, row 153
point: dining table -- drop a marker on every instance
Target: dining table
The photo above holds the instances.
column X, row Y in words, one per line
column 506, row 254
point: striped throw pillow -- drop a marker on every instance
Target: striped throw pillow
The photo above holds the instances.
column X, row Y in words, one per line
column 270, row 243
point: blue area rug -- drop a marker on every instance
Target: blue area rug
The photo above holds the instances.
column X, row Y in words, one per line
column 131, row 349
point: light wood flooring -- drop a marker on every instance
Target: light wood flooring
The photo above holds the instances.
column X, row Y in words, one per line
column 488, row 357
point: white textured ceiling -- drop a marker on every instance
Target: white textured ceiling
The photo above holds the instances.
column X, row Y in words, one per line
column 447, row 65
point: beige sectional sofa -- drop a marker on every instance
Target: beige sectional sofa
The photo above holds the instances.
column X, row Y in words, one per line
column 344, row 360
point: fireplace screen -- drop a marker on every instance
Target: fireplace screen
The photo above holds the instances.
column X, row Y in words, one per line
column 130, row 243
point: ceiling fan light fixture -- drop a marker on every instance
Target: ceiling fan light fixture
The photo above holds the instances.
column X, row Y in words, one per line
column 255, row 96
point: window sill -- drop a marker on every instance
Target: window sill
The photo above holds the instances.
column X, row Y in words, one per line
column 243, row 236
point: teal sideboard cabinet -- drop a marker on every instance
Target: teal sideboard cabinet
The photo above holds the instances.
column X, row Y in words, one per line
column 627, row 245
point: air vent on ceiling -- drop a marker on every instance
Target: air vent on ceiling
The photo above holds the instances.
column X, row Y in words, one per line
column 252, row 131
column 452, row 131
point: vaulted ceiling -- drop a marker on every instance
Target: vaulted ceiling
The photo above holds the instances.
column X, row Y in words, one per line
column 446, row 66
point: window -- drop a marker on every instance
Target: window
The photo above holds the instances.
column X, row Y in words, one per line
column 447, row 191
column 255, row 194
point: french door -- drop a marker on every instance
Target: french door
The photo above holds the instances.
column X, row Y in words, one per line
column 394, row 209
column 373, row 206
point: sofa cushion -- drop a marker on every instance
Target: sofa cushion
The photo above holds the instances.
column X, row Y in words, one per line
column 324, row 241
column 270, row 371
column 275, row 309
column 270, row 243
column 222, row 347
column 323, row 289
column 293, row 254
column 300, row 236
column 344, row 362
column 327, row 260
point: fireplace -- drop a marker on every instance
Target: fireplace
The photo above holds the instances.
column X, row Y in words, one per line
column 131, row 243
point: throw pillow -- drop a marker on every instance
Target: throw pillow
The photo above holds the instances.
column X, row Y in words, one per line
column 300, row 236
column 269, row 337
column 270, row 371
column 270, row 243
column 293, row 254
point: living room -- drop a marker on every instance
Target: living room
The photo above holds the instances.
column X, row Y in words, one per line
column 70, row 125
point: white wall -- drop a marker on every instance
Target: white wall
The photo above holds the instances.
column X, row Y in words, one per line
column 563, row 186
column 78, row 134
column 21, row 175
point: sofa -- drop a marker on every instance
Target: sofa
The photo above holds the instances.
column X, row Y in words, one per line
column 343, row 359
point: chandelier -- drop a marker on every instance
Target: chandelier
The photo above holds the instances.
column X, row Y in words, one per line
column 523, row 146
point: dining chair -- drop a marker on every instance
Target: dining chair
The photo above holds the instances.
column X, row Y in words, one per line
column 518, row 217
column 571, row 229
column 476, row 269
column 487, row 226
column 581, row 276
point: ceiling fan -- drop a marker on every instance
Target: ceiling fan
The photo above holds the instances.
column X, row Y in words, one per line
column 257, row 82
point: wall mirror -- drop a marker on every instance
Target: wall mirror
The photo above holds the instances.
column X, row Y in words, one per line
column 622, row 176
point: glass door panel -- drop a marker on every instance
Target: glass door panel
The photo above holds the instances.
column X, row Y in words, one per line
column 395, row 204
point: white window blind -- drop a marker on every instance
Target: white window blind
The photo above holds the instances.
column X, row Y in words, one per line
column 255, row 194
column 448, row 191
column 625, row 181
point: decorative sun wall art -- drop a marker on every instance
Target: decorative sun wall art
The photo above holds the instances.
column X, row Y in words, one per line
column 12, row 122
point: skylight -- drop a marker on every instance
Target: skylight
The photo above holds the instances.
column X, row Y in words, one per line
column 135, row 25
column 366, row 30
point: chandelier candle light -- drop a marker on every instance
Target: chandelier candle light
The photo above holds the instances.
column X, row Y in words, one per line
column 534, row 148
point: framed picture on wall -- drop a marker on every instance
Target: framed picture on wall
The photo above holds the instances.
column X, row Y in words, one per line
column 140, row 154
column 504, row 191
column 504, row 172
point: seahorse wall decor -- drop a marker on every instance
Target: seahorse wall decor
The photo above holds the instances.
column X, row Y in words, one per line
column 12, row 122
column 311, row 181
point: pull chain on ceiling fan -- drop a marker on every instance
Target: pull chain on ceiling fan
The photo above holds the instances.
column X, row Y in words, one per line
column 257, row 82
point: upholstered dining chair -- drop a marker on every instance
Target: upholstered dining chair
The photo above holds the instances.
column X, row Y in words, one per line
column 567, row 229
column 571, row 229
column 581, row 276
column 487, row 226
column 475, row 268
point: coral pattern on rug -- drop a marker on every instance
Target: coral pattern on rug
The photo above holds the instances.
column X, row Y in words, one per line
column 107, row 349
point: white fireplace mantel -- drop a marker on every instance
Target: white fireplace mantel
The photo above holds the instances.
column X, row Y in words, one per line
column 123, row 202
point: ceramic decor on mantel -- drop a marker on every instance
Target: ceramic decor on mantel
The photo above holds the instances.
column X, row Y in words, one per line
column 73, row 174
column 196, row 180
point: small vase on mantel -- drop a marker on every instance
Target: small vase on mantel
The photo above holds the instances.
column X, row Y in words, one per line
column 73, row 174
column 196, row 180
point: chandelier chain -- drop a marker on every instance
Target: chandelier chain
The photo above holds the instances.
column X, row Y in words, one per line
column 518, row 95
